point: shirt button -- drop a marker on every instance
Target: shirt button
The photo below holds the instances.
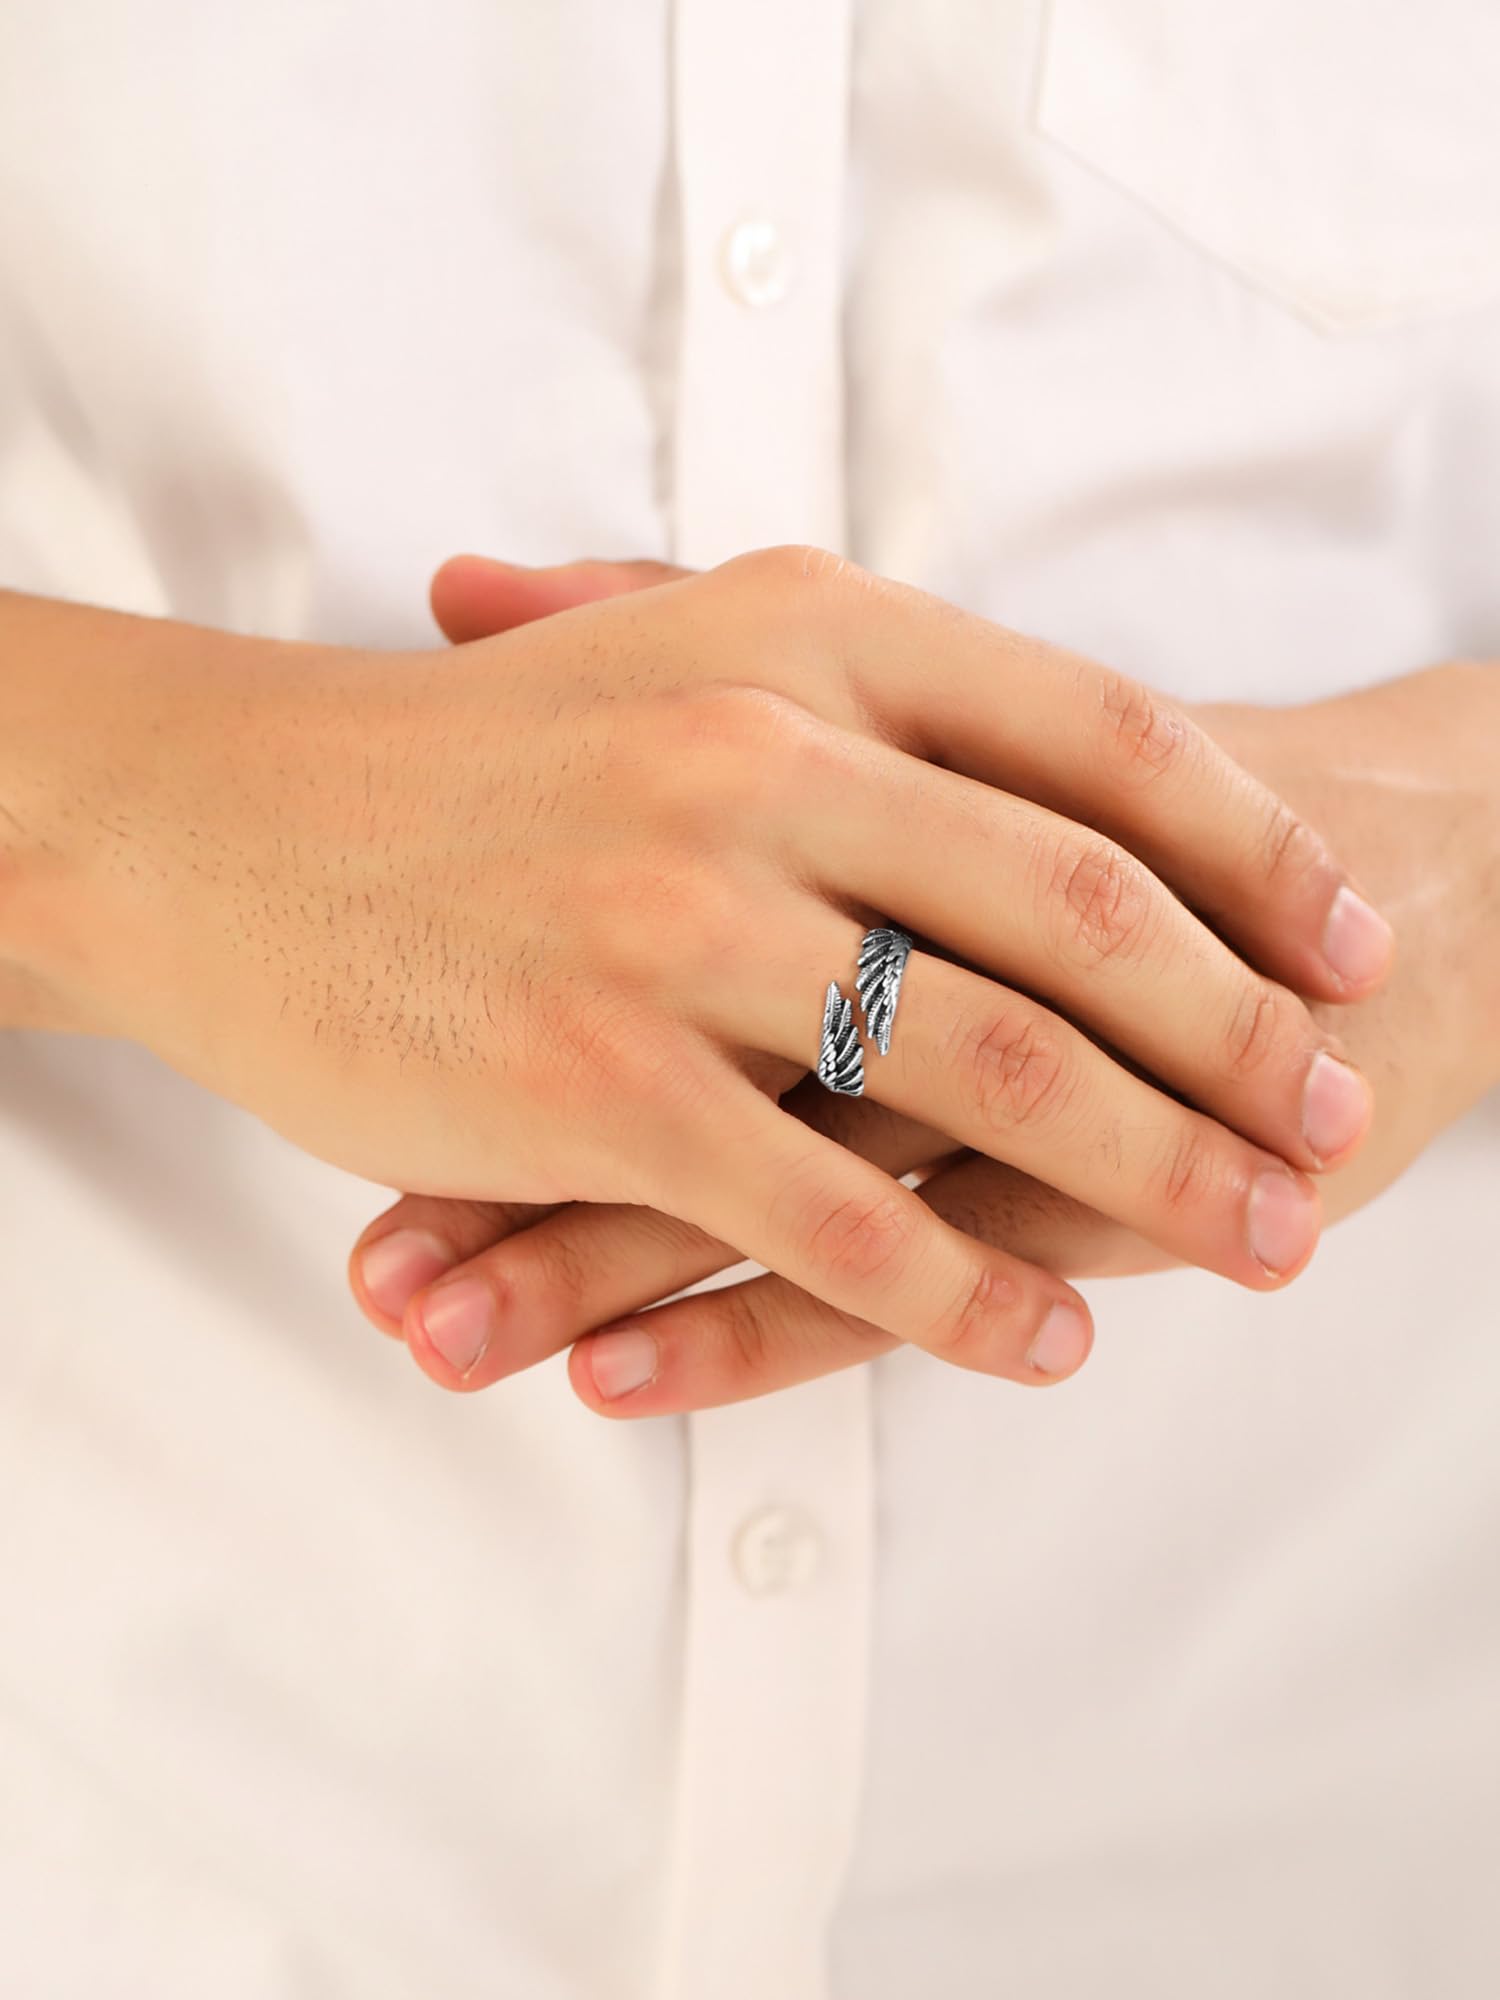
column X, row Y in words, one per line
column 756, row 266
column 775, row 1550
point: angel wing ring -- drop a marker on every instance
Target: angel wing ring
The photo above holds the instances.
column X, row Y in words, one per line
column 882, row 960
column 841, row 1059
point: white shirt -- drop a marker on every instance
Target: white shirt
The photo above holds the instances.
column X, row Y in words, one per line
column 1165, row 329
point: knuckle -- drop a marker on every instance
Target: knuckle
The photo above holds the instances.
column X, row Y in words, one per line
column 730, row 749
column 1290, row 850
column 1257, row 1029
column 558, row 1273
column 978, row 1331
column 859, row 1239
column 802, row 605
column 1018, row 1069
column 794, row 566
column 797, row 592
column 1147, row 736
column 733, row 716
column 1110, row 898
column 743, row 1345
column 1190, row 1175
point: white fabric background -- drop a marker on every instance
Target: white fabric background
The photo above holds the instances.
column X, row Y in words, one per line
column 317, row 1684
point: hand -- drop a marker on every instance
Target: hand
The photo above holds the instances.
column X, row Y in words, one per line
column 1405, row 778
column 611, row 1260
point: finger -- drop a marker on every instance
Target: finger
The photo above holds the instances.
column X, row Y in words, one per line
column 1005, row 1075
column 726, row 1347
column 474, row 597
column 547, row 1286
column 745, row 1340
column 418, row 1239
column 522, row 1294
column 858, row 1239
column 524, row 1297
column 1064, row 912
column 996, row 1203
column 1102, row 749
column 890, row 1138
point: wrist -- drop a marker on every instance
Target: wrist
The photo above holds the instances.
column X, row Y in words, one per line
column 1487, row 872
column 121, row 739
column 55, row 804
column 1441, row 731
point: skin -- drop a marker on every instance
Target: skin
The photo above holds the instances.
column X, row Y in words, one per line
column 549, row 918
column 1403, row 777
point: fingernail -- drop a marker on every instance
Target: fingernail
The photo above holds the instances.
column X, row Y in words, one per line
column 622, row 1361
column 401, row 1264
column 1062, row 1341
column 1282, row 1222
column 1357, row 940
column 1335, row 1106
column 457, row 1319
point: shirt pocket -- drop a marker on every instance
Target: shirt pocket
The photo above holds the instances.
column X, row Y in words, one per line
column 1341, row 154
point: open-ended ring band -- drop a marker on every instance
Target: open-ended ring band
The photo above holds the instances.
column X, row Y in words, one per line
column 883, row 953
column 882, row 960
column 841, row 1060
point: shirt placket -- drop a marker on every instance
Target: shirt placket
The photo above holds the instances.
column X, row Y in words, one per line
column 780, row 1504
column 779, row 1573
column 760, row 109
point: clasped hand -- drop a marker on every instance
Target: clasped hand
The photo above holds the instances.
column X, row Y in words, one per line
column 611, row 853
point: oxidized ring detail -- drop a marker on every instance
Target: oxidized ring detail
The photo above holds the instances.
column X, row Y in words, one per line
column 883, row 953
column 882, row 960
column 841, row 1060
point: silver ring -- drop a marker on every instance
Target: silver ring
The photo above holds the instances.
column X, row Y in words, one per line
column 882, row 960
column 841, row 1059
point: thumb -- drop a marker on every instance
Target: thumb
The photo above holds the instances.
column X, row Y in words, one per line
column 474, row 597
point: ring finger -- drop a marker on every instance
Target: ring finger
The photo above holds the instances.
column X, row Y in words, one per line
column 999, row 1072
column 1060, row 911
